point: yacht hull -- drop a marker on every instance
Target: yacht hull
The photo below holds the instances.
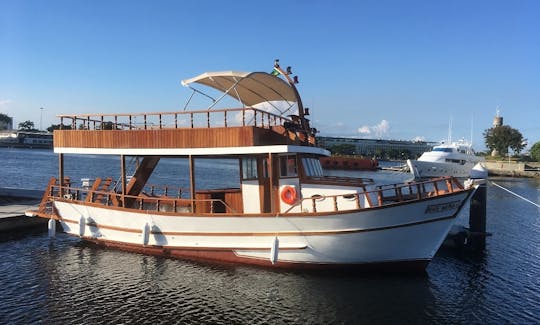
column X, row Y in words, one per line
column 426, row 169
column 406, row 233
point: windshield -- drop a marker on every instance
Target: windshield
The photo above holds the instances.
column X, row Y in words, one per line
column 442, row 149
column 312, row 166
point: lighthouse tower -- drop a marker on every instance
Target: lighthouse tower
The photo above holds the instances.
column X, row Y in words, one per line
column 497, row 121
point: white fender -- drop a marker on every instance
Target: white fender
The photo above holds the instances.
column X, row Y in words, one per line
column 145, row 233
column 274, row 251
column 52, row 228
column 82, row 226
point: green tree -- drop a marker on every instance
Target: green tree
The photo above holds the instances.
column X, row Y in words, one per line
column 535, row 151
column 27, row 126
column 58, row 127
column 5, row 121
column 504, row 137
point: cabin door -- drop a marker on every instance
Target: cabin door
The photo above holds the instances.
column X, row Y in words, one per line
column 256, row 185
column 264, row 184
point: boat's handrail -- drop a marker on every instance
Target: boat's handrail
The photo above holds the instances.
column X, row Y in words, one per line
column 382, row 195
column 165, row 120
column 164, row 190
column 337, row 180
column 147, row 203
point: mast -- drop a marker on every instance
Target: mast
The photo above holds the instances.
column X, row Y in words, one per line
column 450, row 131
column 472, row 127
column 304, row 123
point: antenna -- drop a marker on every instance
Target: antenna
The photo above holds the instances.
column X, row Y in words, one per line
column 450, row 131
column 472, row 128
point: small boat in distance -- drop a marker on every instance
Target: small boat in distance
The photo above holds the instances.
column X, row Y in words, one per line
column 456, row 159
column 349, row 163
column 281, row 210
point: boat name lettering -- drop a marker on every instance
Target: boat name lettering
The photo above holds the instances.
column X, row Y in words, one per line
column 442, row 207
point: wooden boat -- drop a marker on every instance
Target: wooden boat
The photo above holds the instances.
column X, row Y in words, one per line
column 283, row 213
column 349, row 163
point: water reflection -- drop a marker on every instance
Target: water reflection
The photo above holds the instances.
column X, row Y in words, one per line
column 129, row 287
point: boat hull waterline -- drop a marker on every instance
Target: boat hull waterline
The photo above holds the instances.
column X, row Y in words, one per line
column 395, row 234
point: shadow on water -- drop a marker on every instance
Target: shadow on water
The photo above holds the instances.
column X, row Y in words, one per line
column 70, row 281
column 74, row 282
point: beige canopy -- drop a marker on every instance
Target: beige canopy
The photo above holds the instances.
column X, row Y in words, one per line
column 249, row 88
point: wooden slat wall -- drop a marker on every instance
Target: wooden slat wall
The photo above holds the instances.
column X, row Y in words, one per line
column 234, row 201
column 168, row 138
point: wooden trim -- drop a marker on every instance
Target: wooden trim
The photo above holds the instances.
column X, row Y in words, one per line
column 336, row 180
column 61, row 170
column 169, row 138
column 263, row 234
column 231, row 256
column 90, row 193
column 123, row 176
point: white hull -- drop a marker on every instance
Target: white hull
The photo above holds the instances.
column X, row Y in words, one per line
column 456, row 159
column 425, row 169
column 402, row 232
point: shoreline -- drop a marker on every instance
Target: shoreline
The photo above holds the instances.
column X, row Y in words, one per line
column 513, row 169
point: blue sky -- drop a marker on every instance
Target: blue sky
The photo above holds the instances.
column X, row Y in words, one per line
column 388, row 69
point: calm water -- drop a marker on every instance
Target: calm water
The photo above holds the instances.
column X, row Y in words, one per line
column 64, row 280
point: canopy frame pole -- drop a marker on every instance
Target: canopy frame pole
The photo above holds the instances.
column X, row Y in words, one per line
column 225, row 94
column 238, row 96
column 202, row 93
column 189, row 99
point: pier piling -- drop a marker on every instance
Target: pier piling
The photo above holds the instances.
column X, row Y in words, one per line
column 477, row 219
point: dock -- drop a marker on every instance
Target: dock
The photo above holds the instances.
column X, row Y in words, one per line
column 13, row 203
column 512, row 168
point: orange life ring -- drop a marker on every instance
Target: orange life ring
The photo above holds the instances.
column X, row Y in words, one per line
column 288, row 195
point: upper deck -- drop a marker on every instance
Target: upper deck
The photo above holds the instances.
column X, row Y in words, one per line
column 225, row 128
column 184, row 132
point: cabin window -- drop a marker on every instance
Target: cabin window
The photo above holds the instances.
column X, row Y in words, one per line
column 443, row 149
column 312, row 167
column 287, row 166
column 249, row 168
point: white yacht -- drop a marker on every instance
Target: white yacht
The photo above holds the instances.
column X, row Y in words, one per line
column 456, row 159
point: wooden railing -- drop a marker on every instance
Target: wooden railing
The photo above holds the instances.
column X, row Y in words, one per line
column 162, row 120
column 154, row 200
column 382, row 195
column 338, row 180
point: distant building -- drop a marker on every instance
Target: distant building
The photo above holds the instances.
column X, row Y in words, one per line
column 393, row 149
column 26, row 139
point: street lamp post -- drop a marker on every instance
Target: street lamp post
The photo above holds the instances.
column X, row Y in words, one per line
column 41, row 119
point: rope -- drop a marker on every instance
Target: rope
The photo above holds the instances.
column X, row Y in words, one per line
column 519, row 196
